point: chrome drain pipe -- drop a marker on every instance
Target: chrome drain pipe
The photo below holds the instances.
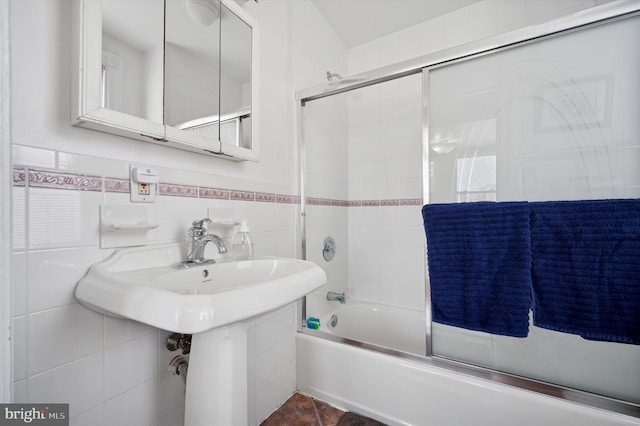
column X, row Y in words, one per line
column 178, row 367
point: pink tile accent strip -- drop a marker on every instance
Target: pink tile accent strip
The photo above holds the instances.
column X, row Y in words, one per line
column 64, row 180
column 286, row 199
column 178, row 190
column 52, row 179
column 19, row 177
column 312, row 201
column 216, row 193
column 243, row 195
column 265, row 197
column 411, row 202
column 116, row 185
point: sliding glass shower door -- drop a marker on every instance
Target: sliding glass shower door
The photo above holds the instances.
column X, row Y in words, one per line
column 363, row 161
column 544, row 117
column 554, row 119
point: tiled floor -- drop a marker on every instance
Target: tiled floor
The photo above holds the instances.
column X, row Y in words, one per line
column 301, row 410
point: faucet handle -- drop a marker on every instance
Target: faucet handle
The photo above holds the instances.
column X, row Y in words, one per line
column 200, row 224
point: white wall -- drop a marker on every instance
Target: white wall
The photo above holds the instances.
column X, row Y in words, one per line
column 113, row 370
column 475, row 22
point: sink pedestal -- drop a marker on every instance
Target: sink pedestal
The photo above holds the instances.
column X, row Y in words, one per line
column 217, row 377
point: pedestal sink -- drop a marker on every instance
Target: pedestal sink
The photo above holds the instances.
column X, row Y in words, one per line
column 212, row 302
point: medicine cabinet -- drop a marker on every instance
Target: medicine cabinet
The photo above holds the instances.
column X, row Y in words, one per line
column 179, row 73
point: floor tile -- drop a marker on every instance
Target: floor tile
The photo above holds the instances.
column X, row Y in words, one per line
column 328, row 415
column 301, row 410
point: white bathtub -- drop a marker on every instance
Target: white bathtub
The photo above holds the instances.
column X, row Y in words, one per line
column 403, row 390
column 383, row 325
column 398, row 391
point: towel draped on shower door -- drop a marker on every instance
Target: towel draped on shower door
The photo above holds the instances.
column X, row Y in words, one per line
column 578, row 262
column 586, row 268
column 479, row 265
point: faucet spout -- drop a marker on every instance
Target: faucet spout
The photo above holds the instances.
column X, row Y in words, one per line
column 198, row 238
column 196, row 252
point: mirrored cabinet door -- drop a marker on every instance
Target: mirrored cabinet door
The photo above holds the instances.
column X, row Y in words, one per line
column 192, row 72
column 119, row 55
column 131, row 73
column 235, row 82
column 175, row 72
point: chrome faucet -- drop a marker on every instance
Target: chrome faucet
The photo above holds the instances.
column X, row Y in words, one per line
column 339, row 297
column 197, row 239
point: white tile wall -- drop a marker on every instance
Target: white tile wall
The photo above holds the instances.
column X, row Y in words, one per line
column 113, row 371
column 48, row 348
column 118, row 331
column 53, row 274
column 135, row 407
column 130, row 363
column 62, row 218
column 79, row 383
column 54, row 333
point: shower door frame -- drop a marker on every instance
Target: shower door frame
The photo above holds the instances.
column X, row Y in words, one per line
column 589, row 18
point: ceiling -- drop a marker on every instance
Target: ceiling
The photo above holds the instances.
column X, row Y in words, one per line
column 359, row 21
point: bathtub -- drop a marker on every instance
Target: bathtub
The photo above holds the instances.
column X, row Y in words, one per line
column 400, row 388
column 382, row 325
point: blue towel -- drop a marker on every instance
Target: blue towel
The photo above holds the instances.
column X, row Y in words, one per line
column 480, row 265
column 586, row 268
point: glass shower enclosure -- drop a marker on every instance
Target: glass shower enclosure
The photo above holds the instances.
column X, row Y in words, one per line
column 536, row 115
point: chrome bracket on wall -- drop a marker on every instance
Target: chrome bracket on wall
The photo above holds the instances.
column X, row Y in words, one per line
column 328, row 248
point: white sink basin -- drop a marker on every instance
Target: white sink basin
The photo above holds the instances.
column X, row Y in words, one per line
column 142, row 284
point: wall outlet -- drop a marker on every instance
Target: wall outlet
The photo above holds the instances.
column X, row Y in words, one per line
column 144, row 189
column 143, row 184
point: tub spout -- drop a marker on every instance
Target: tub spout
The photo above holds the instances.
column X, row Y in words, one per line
column 334, row 296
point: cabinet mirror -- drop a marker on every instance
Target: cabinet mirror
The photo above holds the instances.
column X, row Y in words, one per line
column 173, row 72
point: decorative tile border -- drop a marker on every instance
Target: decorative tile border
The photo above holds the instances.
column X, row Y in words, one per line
column 242, row 195
column 25, row 176
column 313, row 201
column 19, row 176
column 117, row 185
column 287, row 199
column 265, row 197
column 45, row 179
column 214, row 193
column 174, row 190
column 411, row 202
column 393, row 202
